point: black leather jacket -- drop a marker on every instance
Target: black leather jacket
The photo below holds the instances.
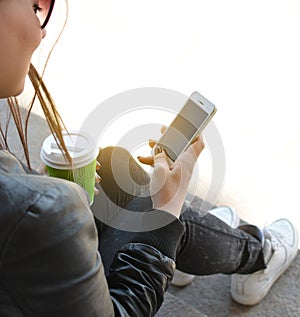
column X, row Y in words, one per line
column 49, row 263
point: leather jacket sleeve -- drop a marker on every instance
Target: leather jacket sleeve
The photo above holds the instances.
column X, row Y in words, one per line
column 138, row 279
column 49, row 263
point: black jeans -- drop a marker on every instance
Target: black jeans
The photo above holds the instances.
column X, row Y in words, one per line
column 208, row 246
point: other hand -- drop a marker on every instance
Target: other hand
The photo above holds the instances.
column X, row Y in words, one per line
column 97, row 177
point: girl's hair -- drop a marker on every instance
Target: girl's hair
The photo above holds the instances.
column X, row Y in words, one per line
column 52, row 116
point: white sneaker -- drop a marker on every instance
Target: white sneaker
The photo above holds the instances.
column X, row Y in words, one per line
column 182, row 279
column 226, row 214
column 250, row 289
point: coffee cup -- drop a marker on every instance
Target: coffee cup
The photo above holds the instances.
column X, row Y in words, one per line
column 83, row 153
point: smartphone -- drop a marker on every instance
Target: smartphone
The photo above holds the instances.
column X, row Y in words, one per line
column 188, row 124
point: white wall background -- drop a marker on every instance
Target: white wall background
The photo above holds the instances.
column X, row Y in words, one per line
column 242, row 55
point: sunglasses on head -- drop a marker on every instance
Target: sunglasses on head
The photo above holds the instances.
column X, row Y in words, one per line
column 44, row 9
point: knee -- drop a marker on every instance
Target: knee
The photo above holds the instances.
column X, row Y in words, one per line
column 113, row 153
column 118, row 162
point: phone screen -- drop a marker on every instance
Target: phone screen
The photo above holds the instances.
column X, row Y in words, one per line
column 183, row 128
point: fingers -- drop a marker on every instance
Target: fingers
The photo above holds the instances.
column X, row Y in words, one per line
column 161, row 159
column 196, row 138
column 197, row 146
column 148, row 160
column 163, row 129
column 97, row 178
column 96, row 191
column 152, row 143
column 189, row 158
column 98, row 166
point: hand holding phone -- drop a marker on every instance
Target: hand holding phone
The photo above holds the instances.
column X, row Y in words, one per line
column 170, row 180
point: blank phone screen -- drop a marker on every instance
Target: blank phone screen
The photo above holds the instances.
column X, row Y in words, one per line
column 183, row 128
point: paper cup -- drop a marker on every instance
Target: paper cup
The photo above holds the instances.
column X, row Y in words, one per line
column 83, row 152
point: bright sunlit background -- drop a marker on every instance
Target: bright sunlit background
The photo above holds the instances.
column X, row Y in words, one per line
column 242, row 55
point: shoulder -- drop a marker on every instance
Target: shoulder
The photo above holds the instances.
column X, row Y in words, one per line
column 21, row 191
column 48, row 243
column 39, row 205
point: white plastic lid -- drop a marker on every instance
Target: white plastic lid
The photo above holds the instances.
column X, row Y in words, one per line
column 81, row 147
